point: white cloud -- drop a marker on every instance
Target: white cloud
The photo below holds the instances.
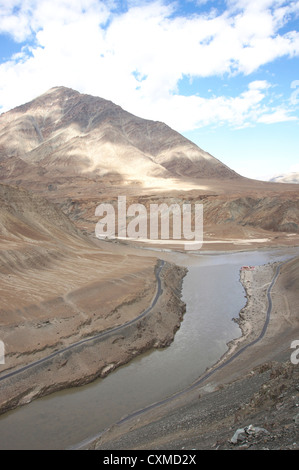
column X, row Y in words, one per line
column 190, row 112
column 138, row 58
column 277, row 115
column 22, row 18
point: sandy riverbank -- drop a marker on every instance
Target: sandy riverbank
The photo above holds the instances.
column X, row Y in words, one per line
column 256, row 281
column 258, row 387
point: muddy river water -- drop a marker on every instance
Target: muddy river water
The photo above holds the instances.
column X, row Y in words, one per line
column 213, row 295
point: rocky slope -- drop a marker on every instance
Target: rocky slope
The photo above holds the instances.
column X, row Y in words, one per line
column 257, row 412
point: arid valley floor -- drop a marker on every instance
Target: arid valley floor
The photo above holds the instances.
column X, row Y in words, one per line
column 63, row 290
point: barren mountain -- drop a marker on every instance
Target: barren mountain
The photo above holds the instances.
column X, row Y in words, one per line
column 66, row 133
column 79, row 150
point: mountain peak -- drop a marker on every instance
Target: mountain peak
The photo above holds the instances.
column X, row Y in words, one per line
column 60, row 90
column 68, row 133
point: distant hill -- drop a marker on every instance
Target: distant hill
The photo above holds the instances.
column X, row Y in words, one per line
column 291, row 178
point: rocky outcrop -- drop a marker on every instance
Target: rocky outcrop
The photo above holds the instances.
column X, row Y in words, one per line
column 248, row 434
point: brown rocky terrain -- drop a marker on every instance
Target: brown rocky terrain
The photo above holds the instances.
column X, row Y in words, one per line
column 60, row 156
column 58, row 288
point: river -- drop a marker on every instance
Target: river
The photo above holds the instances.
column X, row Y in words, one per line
column 213, row 295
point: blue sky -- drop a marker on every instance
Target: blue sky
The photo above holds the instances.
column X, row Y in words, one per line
column 224, row 73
